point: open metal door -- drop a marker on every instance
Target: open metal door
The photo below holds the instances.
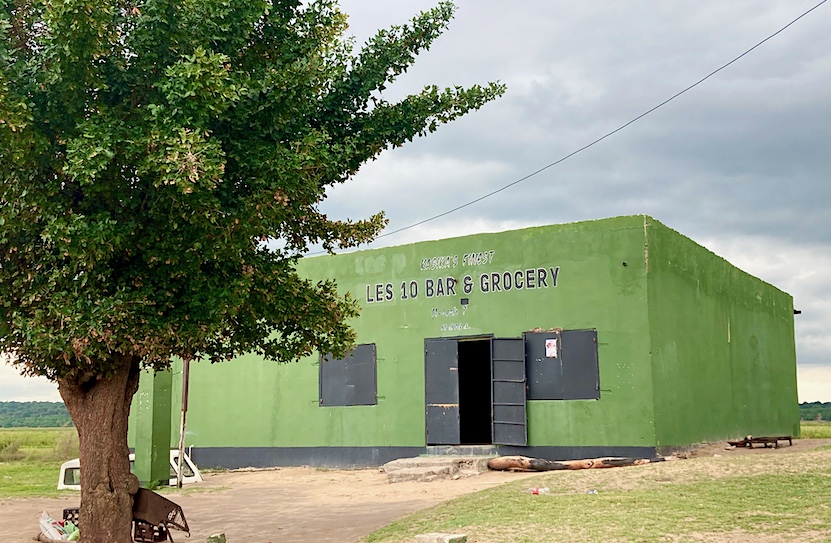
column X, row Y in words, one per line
column 510, row 421
column 441, row 391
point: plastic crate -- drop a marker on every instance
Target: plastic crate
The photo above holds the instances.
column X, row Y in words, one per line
column 72, row 514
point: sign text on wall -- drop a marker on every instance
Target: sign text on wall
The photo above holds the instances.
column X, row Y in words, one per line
column 486, row 282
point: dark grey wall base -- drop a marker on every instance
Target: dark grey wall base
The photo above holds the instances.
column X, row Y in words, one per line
column 324, row 457
column 364, row 457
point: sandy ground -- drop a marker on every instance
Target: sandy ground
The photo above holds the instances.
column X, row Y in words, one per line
column 287, row 505
column 799, row 445
column 306, row 505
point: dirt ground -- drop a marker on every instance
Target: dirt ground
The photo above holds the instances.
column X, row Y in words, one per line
column 287, row 505
column 799, row 445
column 306, row 505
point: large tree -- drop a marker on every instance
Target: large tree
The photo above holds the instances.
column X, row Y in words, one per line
column 162, row 163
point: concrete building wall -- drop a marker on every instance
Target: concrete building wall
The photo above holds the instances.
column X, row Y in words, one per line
column 658, row 302
column 593, row 290
column 723, row 353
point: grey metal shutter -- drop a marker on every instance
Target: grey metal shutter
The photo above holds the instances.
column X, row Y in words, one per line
column 569, row 371
column 441, row 391
column 351, row 380
column 510, row 422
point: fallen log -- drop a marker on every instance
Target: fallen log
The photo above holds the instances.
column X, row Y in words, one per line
column 524, row 463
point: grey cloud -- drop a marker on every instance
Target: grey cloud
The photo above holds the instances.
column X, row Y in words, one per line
column 743, row 156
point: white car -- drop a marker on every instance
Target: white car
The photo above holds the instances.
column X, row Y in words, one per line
column 70, row 476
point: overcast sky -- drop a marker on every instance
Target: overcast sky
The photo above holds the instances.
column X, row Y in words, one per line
column 739, row 164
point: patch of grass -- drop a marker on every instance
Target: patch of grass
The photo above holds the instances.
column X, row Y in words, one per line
column 196, row 489
column 33, row 437
column 11, row 452
column 44, row 444
column 66, row 447
column 31, row 458
column 812, row 429
column 712, row 499
column 30, row 479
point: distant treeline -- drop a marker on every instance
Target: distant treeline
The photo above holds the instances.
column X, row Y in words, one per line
column 815, row 410
column 33, row 415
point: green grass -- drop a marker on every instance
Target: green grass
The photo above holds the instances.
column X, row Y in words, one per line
column 40, row 440
column 782, row 497
column 764, row 504
column 821, row 429
column 30, row 460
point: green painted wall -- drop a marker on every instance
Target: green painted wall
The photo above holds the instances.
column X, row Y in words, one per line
column 150, row 414
column 723, row 346
column 658, row 301
column 594, row 290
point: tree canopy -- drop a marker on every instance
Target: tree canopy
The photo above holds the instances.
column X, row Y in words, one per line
column 815, row 410
column 162, row 163
column 149, row 150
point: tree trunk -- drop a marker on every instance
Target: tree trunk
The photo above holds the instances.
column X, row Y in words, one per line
column 99, row 407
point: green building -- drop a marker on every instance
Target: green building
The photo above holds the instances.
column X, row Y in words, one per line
column 609, row 337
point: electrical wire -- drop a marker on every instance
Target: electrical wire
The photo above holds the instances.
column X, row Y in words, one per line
column 598, row 140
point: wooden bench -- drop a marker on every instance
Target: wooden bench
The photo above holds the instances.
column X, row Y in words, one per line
column 767, row 441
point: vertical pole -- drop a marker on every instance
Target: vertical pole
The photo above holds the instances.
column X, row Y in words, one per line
column 185, row 379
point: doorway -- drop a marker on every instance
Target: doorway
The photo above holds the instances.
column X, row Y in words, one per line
column 474, row 391
column 475, row 417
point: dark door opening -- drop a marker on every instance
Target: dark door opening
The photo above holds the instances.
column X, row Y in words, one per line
column 475, row 416
column 474, row 391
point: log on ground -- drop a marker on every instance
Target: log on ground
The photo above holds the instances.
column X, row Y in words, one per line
column 524, row 463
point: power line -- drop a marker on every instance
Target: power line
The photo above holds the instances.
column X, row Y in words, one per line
column 598, row 140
